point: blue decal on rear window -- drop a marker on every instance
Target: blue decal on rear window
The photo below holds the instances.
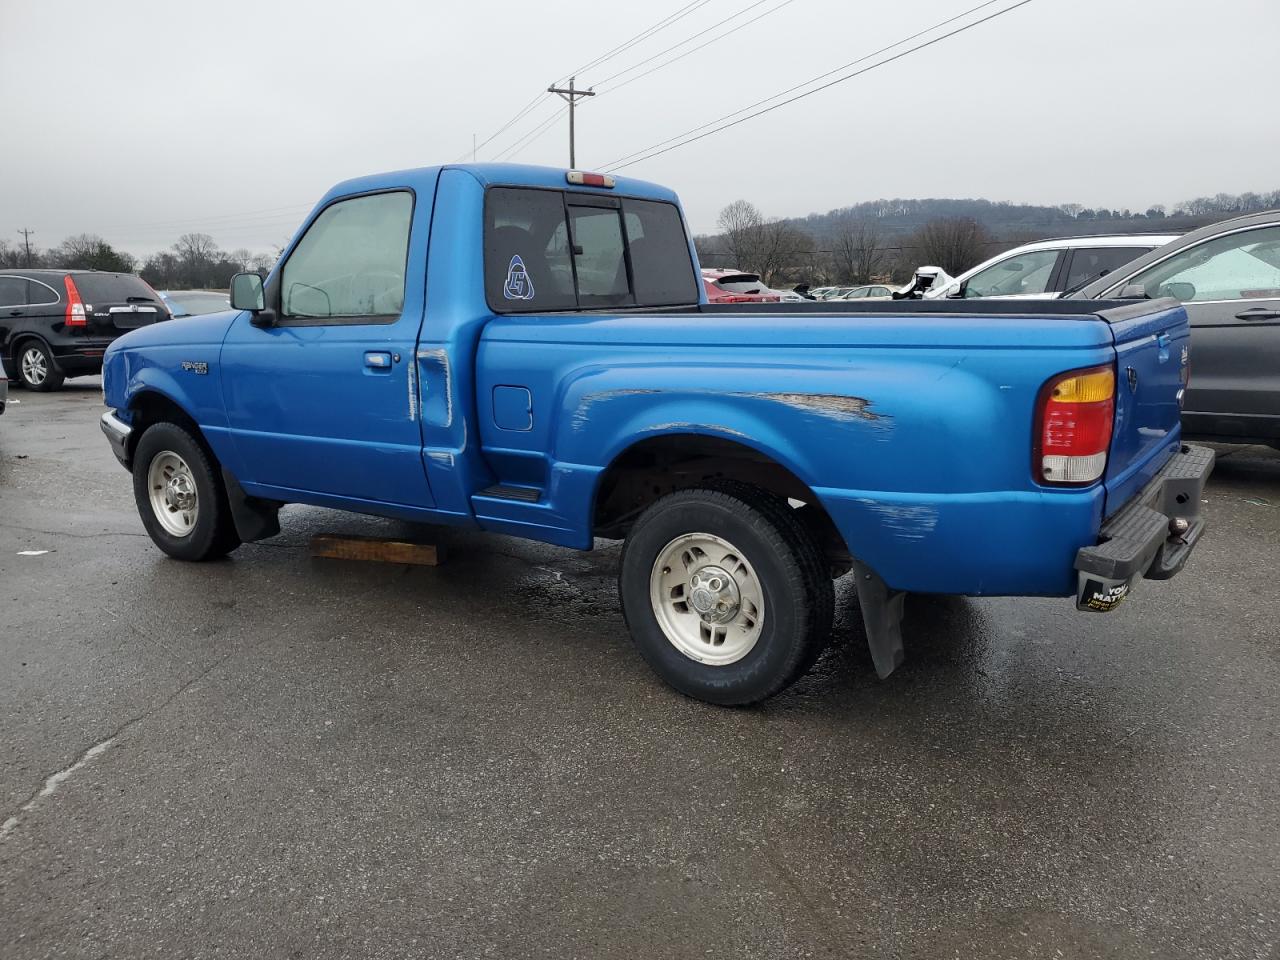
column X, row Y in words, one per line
column 519, row 285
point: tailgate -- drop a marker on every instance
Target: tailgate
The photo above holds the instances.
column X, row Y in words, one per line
column 1152, row 340
column 118, row 301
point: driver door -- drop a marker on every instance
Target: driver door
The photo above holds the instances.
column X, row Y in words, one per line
column 323, row 403
column 1230, row 286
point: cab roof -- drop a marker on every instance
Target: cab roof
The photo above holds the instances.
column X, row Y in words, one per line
column 498, row 174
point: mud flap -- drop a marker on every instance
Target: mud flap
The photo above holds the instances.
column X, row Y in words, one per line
column 1100, row 594
column 882, row 610
column 255, row 519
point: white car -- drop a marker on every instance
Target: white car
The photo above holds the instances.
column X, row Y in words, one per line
column 1048, row 268
column 870, row 291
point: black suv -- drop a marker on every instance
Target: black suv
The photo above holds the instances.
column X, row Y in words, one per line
column 58, row 323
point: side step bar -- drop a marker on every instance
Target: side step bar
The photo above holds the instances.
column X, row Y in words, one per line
column 503, row 491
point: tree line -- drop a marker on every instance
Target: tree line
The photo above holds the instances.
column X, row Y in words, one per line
column 193, row 262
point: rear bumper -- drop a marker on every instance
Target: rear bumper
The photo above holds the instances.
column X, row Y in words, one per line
column 1151, row 537
column 80, row 355
column 118, row 433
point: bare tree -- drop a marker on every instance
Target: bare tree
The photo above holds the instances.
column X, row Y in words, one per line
column 858, row 251
column 953, row 243
column 88, row 251
column 1072, row 210
column 741, row 224
column 781, row 249
column 195, row 248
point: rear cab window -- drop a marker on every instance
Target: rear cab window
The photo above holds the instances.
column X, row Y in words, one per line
column 558, row 250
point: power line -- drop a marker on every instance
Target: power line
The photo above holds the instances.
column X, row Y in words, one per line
column 529, row 137
column 717, row 39
column 627, row 160
column 690, row 39
column 520, row 115
column 608, row 55
column 643, row 35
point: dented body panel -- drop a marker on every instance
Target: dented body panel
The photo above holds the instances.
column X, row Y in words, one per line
column 910, row 425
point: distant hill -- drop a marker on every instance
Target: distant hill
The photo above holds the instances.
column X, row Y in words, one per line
column 1022, row 222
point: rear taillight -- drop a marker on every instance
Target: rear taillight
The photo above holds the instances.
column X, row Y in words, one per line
column 1074, row 417
column 76, row 316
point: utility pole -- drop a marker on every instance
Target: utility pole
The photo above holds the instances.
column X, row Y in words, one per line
column 572, row 96
column 26, row 243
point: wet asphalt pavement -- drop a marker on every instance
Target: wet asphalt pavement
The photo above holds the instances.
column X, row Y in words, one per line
column 277, row 756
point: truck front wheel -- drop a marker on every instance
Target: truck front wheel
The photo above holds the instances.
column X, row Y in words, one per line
column 180, row 495
column 725, row 593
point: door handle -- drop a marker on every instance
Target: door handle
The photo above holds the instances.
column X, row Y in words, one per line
column 15, row 313
column 377, row 360
column 1258, row 313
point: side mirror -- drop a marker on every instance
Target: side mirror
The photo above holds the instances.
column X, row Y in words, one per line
column 1179, row 290
column 958, row 291
column 1132, row 291
column 246, row 292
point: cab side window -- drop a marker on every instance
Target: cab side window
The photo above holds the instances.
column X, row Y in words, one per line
column 1238, row 266
column 351, row 262
column 1026, row 274
column 13, row 291
column 1090, row 263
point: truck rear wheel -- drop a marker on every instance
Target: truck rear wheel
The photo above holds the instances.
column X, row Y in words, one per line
column 180, row 495
column 725, row 593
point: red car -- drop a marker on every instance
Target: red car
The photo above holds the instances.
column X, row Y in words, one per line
column 733, row 286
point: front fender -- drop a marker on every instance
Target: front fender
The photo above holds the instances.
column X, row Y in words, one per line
column 176, row 373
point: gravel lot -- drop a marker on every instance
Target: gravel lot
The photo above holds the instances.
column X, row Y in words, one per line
column 280, row 756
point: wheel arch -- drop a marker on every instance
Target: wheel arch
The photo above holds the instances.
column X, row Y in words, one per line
column 150, row 406
column 654, row 466
column 18, row 338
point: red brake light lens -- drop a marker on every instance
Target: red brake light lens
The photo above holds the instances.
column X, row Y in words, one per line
column 76, row 315
column 583, row 179
column 1074, row 420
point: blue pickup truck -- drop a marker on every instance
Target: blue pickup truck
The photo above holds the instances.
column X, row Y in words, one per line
column 529, row 351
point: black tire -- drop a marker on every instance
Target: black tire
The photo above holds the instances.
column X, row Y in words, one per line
column 213, row 533
column 798, row 594
column 53, row 377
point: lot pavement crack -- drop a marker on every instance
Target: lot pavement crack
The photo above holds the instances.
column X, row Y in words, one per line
column 74, row 536
column 51, row 784
column 56, row 779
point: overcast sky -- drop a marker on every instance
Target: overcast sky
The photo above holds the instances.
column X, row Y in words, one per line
column 143, row 119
